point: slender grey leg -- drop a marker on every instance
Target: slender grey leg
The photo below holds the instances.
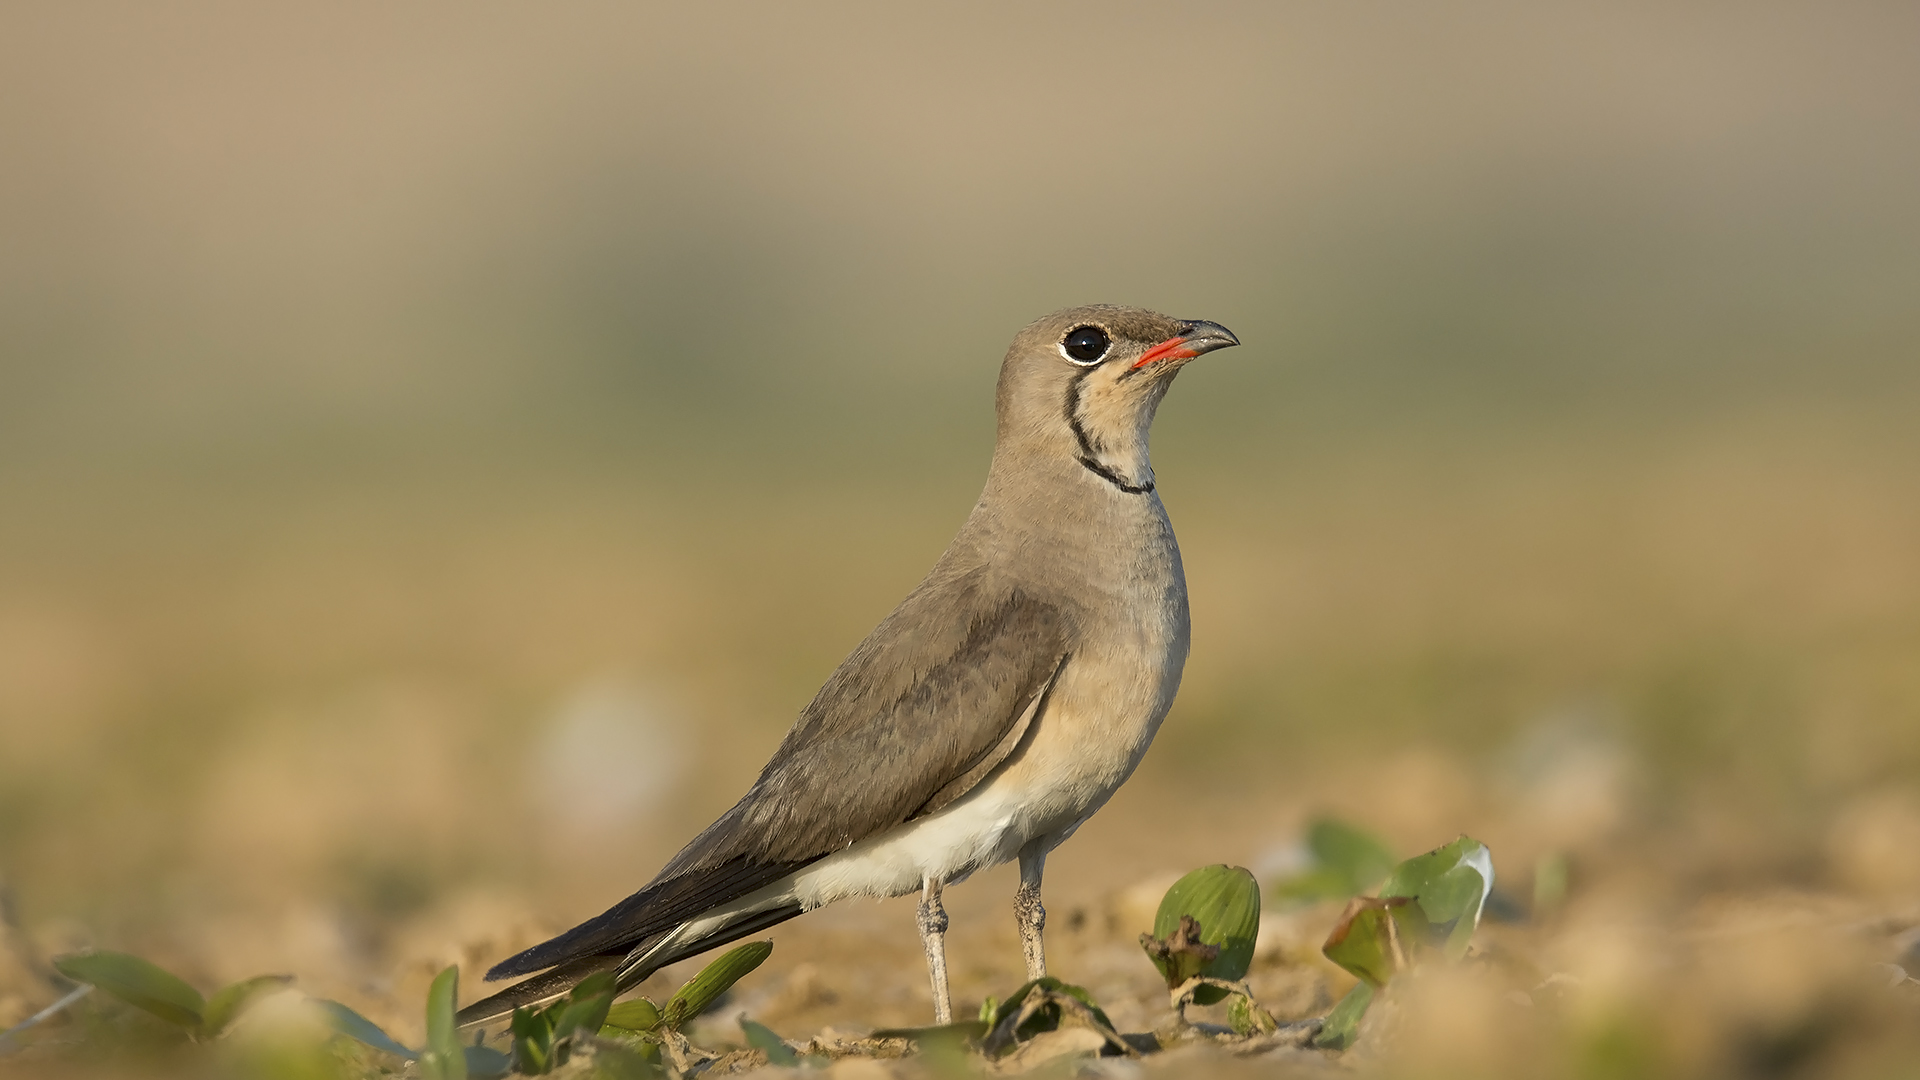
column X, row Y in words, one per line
column 933, row 934
column 1027, row 910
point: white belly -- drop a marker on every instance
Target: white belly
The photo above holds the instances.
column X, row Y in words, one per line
column 985, row 828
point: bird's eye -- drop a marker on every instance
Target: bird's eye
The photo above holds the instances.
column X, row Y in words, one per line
column 1085, row 345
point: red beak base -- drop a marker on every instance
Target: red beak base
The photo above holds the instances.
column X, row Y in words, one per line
column 1167, row 350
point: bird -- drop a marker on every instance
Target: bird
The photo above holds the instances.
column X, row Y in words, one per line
column 984, row 720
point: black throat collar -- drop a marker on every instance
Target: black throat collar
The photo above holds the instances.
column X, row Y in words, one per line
column 1089, row 450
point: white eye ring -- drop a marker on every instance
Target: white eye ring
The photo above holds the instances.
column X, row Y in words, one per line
column 1085, row 346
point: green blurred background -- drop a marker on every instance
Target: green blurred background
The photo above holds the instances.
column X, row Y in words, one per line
column 442, row 446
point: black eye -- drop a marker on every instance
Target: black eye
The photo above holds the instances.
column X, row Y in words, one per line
column 1085, row 345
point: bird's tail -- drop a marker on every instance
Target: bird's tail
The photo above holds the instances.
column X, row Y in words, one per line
column 548, row 986
column 631, row 967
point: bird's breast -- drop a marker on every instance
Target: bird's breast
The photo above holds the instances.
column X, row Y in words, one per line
column 1129, row 649
column 1101, row 717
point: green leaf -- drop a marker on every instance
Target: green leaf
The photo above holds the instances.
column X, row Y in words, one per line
column 1047, row 1018
column 586, row 1007
column 635, row 1016
column 1225, row 902
column 544, row 1039
column 1347, row 861
column 761, row 1037
column 444, row 1057
column 1377, row 939
column 226, row 1005
column 1431, row 900
column 532, row 1040
column 958, row 1032
column 1451, row 883
column 700, row 991
column 360, row 1029
column 1342, row 1025
column 137, row 982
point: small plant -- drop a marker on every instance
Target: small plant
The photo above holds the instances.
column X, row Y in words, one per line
column 656, row 1027
column 1202, row 942
column 545, row 1038
column 1042, row 1005
column 444, row 1057
column 1036, row 1008
column 641, row 1017
column 1430, row 904
column 767, row 1041
column 155, row 990
column 1206, row 928
column 1343, row 861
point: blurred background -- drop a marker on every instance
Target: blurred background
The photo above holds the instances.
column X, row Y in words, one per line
column 442, row 447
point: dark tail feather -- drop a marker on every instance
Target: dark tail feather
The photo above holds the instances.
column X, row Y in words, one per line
column 535, row 992
column 634, row 968
column 639, row 965
column 646, row 916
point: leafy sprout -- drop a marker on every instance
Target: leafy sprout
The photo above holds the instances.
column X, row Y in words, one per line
column 544, row 1039
column 1430, row 903
column 764, row 1039
column 444, row 1057
column 1343, row 861
column 715, row 979
column 1206, row 927
column 157, row 991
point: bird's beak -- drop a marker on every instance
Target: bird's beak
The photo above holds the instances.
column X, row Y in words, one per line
column 1195, row 338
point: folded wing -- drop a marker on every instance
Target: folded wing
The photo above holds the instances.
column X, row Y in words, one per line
column 919, row 713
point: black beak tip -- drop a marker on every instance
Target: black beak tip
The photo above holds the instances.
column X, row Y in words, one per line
column 1204, row 337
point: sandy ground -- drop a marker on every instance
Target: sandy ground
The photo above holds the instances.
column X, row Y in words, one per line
column 1648, row 966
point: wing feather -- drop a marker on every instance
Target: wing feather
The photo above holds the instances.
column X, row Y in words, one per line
column 922, row 702
column 921, row 711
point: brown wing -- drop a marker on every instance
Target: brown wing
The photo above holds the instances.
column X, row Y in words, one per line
column 921, row 711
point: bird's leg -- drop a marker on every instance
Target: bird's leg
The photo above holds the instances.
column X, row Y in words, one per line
column 1027, row 910
column 933, row 934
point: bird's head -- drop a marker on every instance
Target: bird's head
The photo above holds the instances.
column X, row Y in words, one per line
column 1085, row 382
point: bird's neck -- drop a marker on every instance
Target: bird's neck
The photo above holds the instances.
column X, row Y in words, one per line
column 1068, row 466
column 1057, row 521
column 1057, row 489
column 1112, row 446
column 1128, row 473
column 1110, row 431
